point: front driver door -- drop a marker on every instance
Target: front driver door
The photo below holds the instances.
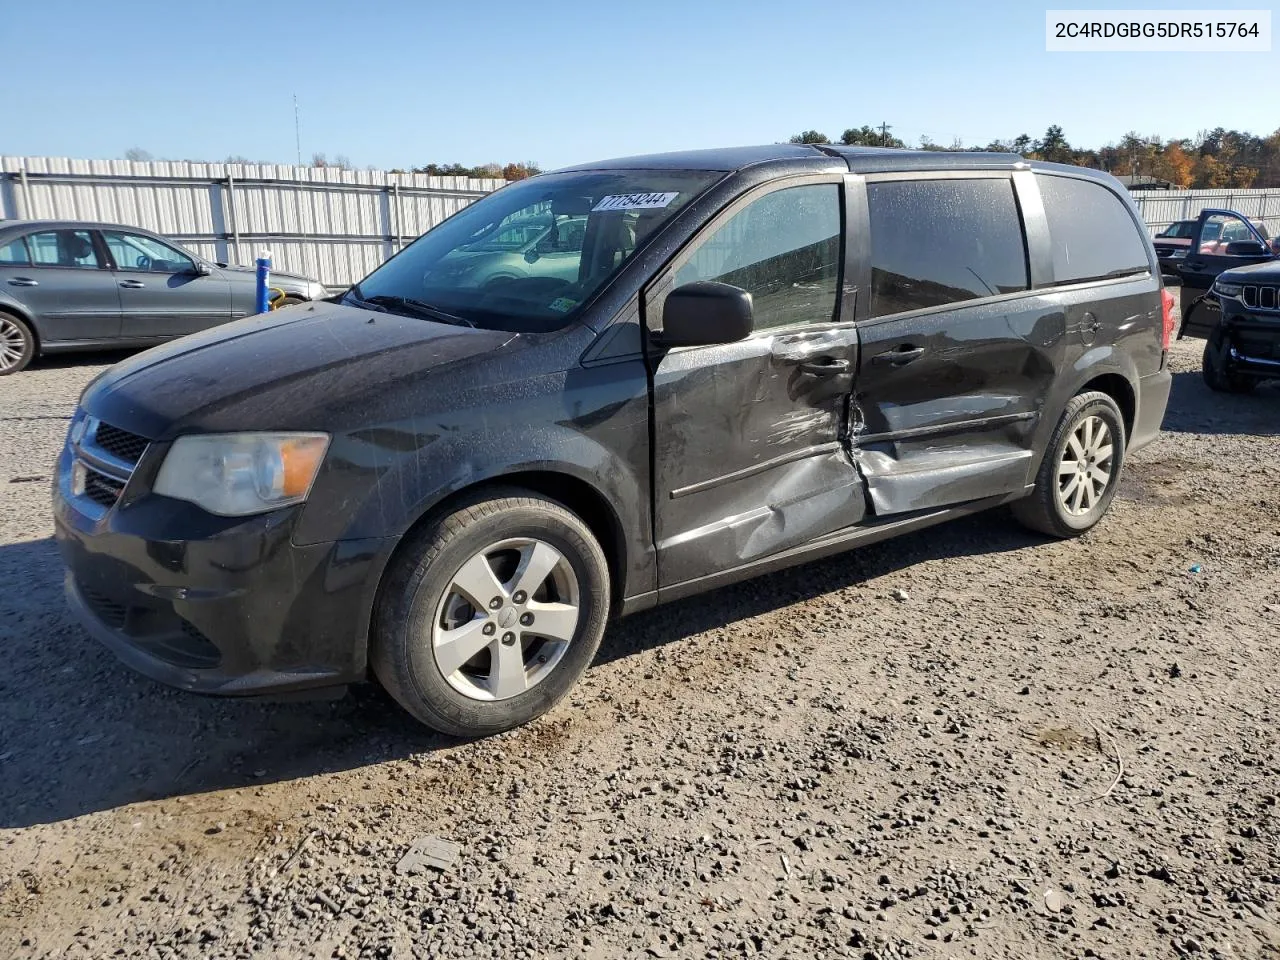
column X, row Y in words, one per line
column 1206, row 259
column 748, row 437
column 161, row 293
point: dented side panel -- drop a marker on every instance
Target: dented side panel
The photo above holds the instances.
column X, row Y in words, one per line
column 749, row 456
column 958, row 422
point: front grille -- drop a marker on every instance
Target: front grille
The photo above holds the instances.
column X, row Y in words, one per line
column 1261, row 297
column 100, row 488
column 120, row 443
column 105, row 609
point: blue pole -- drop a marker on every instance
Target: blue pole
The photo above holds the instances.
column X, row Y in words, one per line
column 264, row 278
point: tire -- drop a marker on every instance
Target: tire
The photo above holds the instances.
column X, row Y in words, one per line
column 17, row 344
column 1215, row 370
column 1046, row 510
column 426, row 623
column 287, row 302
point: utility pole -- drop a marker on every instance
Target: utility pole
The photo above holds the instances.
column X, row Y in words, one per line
column 884, row 134
column 297, row 129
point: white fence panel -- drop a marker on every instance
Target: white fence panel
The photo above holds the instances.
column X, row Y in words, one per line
column 334, row 225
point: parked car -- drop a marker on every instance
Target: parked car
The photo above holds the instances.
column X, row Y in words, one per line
column 83, row 286
column 1173, row 241
column 766, row 355
column 1242, row 346
column 539, row 246
column 1223, row 240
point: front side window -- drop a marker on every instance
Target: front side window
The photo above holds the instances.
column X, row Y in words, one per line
column 134, row 252
column 14, row 252
column 935, row 242
column 1091, row 232
column 528, row 256
column 62, row 248
column 783, row 249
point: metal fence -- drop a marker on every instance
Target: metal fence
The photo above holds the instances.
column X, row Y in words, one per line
column 333, row 225
column 337, row 225
column 1159, row 208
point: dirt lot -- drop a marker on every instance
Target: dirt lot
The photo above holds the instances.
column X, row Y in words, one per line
column 801, row 766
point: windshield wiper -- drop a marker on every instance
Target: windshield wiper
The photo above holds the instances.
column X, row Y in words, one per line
column 421, row 307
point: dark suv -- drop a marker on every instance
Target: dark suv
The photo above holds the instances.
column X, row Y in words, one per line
column 765, row 355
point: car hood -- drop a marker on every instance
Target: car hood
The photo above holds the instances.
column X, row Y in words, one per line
column 1268, row 271
column 275, row 274
column 312, row 366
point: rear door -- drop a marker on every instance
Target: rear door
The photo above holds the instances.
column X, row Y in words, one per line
column 956, row 357
column 748, row 449
column 161, row 293
column 61, row 277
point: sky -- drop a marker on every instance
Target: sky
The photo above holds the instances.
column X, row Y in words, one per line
column 404, row 84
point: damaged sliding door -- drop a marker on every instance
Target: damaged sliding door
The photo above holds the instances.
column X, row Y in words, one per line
column 749, row 457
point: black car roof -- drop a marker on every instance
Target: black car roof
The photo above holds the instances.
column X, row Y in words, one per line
column 857, row 159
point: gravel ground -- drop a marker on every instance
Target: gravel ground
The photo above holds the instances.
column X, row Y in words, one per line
column 1047, row 749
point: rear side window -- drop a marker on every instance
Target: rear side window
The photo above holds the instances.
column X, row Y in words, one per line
column 935, row 242
column 15, row 251
column 1092, row 233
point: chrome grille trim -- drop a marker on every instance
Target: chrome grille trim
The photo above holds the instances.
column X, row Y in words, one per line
column 99, row 475
column 1260, row 296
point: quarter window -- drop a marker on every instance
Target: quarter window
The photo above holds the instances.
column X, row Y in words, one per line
column 935, row 242
column 783, row 249
column 132, row 251
column 1092, row 234
column 62, row 248
column 14, row 252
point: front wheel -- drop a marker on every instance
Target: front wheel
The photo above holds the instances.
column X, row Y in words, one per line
column 1080, row 470
column 491, row 614
column 1215, row 367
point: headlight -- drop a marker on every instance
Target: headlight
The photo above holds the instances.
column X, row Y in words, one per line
column 237, row 474
column 1226, row 289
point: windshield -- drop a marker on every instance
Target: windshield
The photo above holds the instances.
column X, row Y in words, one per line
column 526, row 257
column 1182, row 229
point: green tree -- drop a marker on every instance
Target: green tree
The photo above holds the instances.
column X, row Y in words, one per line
column 1053, row 146
column 865, row 136
column 810, row 136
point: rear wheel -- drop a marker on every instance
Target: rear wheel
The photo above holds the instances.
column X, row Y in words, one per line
column 1215, row 367
column 1081, row 468
column 491, row 614
column 17, row 344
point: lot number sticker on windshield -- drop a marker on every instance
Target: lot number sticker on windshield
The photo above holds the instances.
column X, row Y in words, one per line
column 635, row 201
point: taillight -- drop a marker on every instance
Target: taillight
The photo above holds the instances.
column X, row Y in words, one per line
column 1166, row 332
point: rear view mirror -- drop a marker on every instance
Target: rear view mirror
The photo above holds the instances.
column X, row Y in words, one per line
column 706, row 312
column 570, row 206
column 1245, row 248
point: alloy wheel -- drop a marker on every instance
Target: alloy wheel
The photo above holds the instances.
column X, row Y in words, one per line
column 1084, row 472
column 13, row 344
column 506, row 619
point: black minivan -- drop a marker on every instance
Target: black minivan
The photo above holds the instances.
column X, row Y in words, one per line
column 765, row 355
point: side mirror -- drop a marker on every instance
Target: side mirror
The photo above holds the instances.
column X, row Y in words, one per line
column 706, row 312
column 202, row 268
column 1246, row 248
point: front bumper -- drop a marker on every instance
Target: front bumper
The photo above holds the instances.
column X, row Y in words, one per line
column 216, row 605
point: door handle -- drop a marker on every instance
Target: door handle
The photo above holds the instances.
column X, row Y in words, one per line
column 904, row 354
column 1193, row 264
column 132, row 284
column 23, row 282
column 824, row 368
